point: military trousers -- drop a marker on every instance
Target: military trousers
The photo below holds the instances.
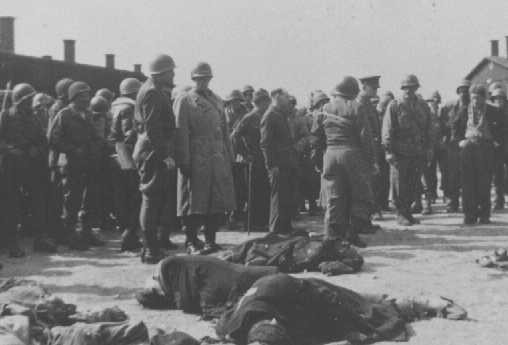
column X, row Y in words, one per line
column 77, row 199
column 477, row 166
column 309, row 180
column 283, row 198
column 210, row 222
column 453, row 174
column 239, row 170
column 127, row 199
column 381, row 183
column 405, row 180
column 346, row 188
column 259, row 206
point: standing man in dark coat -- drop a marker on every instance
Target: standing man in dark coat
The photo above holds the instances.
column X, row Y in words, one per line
column 204, row 155
column 478, row 129
column 126, row 185
column 453, row 176
column 154, row 150
column 347, row 165
column 406, row 138
column 73, row 135
column 280, row 160
column 248, row 132
column 498, row 99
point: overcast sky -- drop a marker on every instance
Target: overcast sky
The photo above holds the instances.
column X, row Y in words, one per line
column 297, row 44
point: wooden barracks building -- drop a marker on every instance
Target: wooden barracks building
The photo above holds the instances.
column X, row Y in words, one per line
column 493, row 68
column 44, row 72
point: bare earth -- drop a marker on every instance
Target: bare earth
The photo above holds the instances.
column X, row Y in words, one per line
column 434, row 258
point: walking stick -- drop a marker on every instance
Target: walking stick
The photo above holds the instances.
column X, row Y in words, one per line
column 249, row 200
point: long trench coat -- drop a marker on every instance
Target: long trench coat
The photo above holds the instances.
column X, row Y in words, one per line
column 202, row 142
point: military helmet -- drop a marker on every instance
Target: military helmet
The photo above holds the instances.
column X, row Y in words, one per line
column 319, row 96
column 260, row 94
column 247, row 89
column 409, row 81
column 500, row 93
column 99, row 104
column 62, row 87
column 22, row 92
column 234, row 95
column 77, row 88
column 129, row 86
column 495, row 85
column 347, row 88
column 160, row 64
column 478, row 89
column 40, row 99
column 106, row 93
column 464, row 83
column 202, row 70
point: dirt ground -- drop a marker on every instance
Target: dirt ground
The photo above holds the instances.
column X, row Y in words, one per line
column 434, row 258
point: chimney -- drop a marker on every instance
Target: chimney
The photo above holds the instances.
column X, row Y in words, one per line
column 110, row 61
column 70, row 51
column 7, row 34
column 137, row 67
column 494, row 48
column 506, row 38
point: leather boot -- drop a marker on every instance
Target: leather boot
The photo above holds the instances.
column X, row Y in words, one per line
column 427, row 209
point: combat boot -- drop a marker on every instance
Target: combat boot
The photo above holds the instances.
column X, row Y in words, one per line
column 452, row 206
column 427, row 209
column 353, row 238
column 417, row 206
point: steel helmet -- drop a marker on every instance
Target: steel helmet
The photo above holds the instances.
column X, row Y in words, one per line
column 464, row 83
column 22, row 92
column 129, row 86
column 62, row 87
column 106, row 93
column 99, row 104
column 347, row 88
column 495, row 85
column 39, row 99
column 247, row 89
column 319, row 96
column 160, row 64
column 409, row 81
column 259, row 95
column 234, row 95
column 202, row 70
column 77, row 88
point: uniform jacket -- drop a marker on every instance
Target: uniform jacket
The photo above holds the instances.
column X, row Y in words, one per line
column 406, row 128
column 276, row 140
column 203, row 144
column 248, row 132
column 458, row 119
column 155, row 124
column 343, row 123
column 299, row 127
column 123, row 133
column 75, row 137
column 375, row 124
column 52, row 112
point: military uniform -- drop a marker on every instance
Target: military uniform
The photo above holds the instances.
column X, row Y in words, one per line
column 25, row 169
column 206, row 193
column 479, row 131
column 278, row 150
column 501, row 161
column 248, row 132
column 347, row 167
column 123, row 135
column 406, row 136
column 155, row 125
column 73, row 136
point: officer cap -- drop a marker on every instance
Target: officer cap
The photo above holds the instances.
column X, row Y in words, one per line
column 234, row 95
column 62, row 87
column 347, row 88
column 202, row 70
column 372, row 80
column 129, row 86
column 22, row 92
column 106, row 93
column 160, row 64
column 478, row 89
column 99, row 104
column 76, row 88
column 409, row 81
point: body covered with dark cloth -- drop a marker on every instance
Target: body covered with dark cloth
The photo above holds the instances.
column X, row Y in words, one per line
column 295, row 253
column 308, row 311
column 201, row 284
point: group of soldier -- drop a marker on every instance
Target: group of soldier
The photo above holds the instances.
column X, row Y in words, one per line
column 159, row 158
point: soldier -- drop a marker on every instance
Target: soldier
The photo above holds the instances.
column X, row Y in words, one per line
column 25, row 167
column 348, row 165
column 478, row 129
column 317, row 137
column 204, row 155
column 498, row 99
column 73, row 135
column 406, row 139
column 123, row 135
column 106, row 93
column 40, row 109
column 55, row 197
column 453, row 177
column 248, row 92
column 383, row 181
column 370, row 85
column 235, row 111
column 248, row 132
column 280, row 159
column 154, row 150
